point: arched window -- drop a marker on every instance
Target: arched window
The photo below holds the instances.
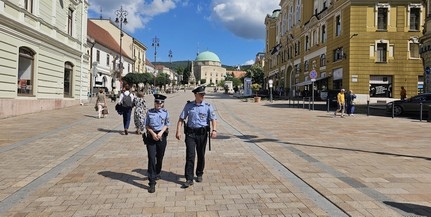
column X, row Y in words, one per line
column 68, row 79
column 25, row 71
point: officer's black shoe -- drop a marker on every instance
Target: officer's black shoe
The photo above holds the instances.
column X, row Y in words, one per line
column 199, row 179
column 152, row 189
column 187, row 184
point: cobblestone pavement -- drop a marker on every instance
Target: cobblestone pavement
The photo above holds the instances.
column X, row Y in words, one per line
column 268, row 160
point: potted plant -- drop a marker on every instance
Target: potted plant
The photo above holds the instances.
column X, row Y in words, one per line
column 256, row 87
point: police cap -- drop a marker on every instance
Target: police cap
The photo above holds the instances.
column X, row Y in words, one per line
column 200, row 89
column 159, row 98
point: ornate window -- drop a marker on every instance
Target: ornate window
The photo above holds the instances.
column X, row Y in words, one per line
column 382, row 10
column 338, row 54
column 68, row 78
column 28, row 5
column 338, row 25
column 323, row 32
column 382, row 49
column 25, row 71
column 70, row 21
column 414, row 11
column 322, row 60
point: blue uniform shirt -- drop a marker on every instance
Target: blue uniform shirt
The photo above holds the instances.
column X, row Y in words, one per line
column 156, row 120
column 198, row 115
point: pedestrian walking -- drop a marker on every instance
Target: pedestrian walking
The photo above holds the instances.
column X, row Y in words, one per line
column 100, row 102
column 155, row 139
column 200, row 116
column 403, row 93
column 341, row 103
column 139, row 112
column 126, row 102
column 350, row 102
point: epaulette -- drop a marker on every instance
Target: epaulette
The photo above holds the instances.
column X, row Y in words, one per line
column 207, row 104
column 163, row 109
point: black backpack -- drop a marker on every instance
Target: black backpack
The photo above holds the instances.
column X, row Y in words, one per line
column 127, row 101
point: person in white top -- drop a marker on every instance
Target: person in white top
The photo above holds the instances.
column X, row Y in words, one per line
column 126, row 101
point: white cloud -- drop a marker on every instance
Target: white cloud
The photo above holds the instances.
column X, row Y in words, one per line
column 139, row 13
column 244, row 18
column 249, row 62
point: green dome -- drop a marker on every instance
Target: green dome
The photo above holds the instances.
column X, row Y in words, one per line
column 207, row 56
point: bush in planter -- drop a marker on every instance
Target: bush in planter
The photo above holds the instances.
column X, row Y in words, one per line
column 256, row 87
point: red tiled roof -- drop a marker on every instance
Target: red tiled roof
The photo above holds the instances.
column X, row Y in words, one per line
column 236, row 74
column 148, row 63
column 103, row 37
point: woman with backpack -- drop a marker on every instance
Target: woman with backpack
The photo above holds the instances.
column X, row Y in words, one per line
column 126, row 101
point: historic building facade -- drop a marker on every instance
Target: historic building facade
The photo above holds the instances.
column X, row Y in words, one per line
column 207, row 66
column 104, row 57
column 43, row 59
column 370, row 47
column 425, row 49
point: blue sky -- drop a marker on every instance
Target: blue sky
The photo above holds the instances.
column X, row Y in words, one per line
column 232, row 29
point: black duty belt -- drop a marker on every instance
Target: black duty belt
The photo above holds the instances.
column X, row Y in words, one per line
column 199, row 131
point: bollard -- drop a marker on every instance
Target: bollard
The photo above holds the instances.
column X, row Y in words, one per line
column 420, row 112
column 368, row 107
column 393, row 109
column 327, row 105
column 309, row 103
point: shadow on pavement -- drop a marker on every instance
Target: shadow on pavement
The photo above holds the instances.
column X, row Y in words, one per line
column 249, row 139
column 110, row 131
column 167, row 176
column 411, row 208
column 127, row 178
column 358, row 150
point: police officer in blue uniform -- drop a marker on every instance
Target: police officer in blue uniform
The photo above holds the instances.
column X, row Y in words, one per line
column 200, row 117
column 156, row 125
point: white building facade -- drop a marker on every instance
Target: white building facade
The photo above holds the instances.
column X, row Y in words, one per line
column 43, row 56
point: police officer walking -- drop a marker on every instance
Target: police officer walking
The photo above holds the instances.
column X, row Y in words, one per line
column 156, row 125
column 200, row 115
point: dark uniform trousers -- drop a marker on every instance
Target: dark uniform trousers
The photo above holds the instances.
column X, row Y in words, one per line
column 156, row 152
column 195, row 144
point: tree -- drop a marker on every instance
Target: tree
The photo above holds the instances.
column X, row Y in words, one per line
column 255, row 72
column 186, row 73
column 137, row 78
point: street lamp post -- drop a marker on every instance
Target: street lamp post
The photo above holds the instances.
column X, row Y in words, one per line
column 155, row 44
column 170, row 56
column 121, row 18
column 270, row 89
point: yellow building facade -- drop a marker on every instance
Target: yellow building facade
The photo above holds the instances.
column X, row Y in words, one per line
column 369, row 47
column 425, row 49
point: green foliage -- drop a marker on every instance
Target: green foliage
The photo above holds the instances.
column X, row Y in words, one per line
column 162, row 79
column 255, row 72
column 203, row 81
column 256, row 87
column 136, row 78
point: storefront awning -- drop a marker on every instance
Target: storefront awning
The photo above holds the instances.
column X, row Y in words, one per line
column 309, row 81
